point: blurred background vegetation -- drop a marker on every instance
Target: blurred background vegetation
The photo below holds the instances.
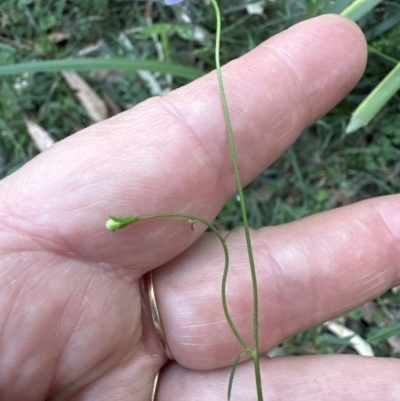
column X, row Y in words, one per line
column 325, row 168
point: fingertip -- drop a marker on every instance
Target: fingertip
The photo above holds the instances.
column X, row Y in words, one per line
column 347, row 29
column 347, row 34
column 326, row 55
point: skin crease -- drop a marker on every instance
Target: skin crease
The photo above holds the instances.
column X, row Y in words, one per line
column 73, row 322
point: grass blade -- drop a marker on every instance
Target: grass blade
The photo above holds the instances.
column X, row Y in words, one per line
column 359, row 8
column 384, row 333
column 338, row 6
column 94, row 64
column 383, row 27
column 375, row 101
column 232, row 375
column 372, row 50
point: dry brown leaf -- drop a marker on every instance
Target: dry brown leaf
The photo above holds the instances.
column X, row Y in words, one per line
column 152, row 84
column 256, row 8
column 275, row 352
column 90, row 100
column 39, row 135
column 57, row 37
column 356, row 341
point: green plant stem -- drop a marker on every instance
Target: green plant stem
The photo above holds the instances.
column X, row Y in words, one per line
column 117, row 223
column 255, row 351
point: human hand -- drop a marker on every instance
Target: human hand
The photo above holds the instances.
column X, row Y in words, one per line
column 74, row 324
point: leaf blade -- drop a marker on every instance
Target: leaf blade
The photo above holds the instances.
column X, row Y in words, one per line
column 232, row 375
column 96, row 64
column 384, row 333
column 375, row 101
column 359, row 8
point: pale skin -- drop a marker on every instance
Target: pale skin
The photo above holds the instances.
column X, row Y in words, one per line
column 73, row 325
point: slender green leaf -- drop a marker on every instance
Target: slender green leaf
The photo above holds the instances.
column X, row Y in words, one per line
column 384, row 333
column 338, row 6
column 375, row 101
column 334, row 340
column 359, row 8
column 232, row 375
column 372, row 50
column 379, row 29
column 155, row 29
column 91, row 64
column 313, row 8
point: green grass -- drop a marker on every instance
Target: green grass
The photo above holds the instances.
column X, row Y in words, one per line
column 324, row 169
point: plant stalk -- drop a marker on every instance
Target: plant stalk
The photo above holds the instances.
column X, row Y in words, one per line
column 255, row 353
column 117, row 223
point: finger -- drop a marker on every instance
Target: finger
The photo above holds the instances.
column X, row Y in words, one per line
column 171, row 154
column 308, row 272
column 305, row 378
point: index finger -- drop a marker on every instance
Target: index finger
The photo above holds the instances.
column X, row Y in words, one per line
column 171, row 154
